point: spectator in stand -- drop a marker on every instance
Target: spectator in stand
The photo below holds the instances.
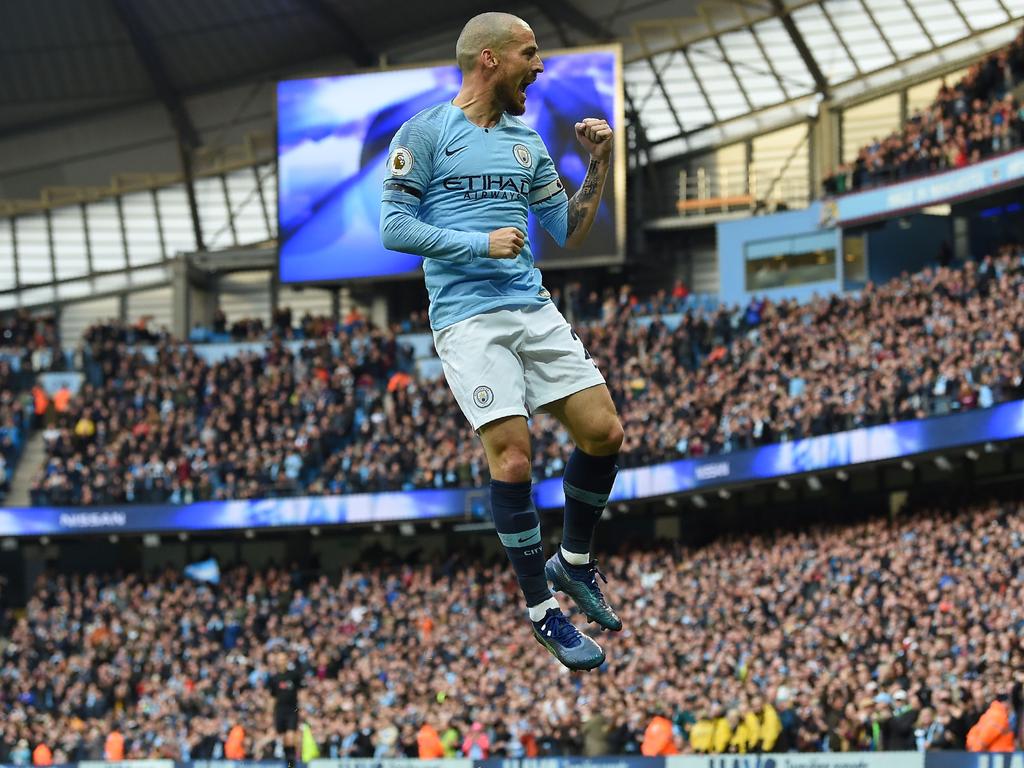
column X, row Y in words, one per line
column 994, row 732
column 28, row 345
column 899, row 728
column 429, row 743
column 659, row 739
column 477, row 745
column 976, row 118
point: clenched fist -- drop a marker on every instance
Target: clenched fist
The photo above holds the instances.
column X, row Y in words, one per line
column 505, row 243
column 596, row 137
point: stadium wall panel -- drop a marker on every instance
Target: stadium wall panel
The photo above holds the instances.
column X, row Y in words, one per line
column 75, row 318
column 734, row 237
column 908, row 245
column 156, row 304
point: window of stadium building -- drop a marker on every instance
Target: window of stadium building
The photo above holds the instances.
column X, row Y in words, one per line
column 855, row 262
column 790, row 261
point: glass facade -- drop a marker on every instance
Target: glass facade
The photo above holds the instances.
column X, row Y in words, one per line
column 789, row 261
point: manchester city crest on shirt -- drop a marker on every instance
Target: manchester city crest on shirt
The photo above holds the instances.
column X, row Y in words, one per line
column 523, row 156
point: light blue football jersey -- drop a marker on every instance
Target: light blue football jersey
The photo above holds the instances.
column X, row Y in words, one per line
column 449, row 184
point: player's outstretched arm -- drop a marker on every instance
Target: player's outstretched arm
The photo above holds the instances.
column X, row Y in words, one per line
column 596, row 137
column 400, row 230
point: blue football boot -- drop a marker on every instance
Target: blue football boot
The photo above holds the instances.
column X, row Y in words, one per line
column 566, row 643
column 580, row 583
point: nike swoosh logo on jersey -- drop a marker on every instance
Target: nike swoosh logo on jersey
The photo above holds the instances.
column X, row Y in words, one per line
column 455, row 151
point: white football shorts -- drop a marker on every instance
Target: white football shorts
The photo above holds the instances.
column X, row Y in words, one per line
column 513, row 362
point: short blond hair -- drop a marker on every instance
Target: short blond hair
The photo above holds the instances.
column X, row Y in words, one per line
column 486, row 30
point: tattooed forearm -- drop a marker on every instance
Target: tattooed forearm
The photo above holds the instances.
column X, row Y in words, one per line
column 590, row 182
column 580, row 203
column 576, row 212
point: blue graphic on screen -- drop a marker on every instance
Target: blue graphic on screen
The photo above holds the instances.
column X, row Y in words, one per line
column 333, row 135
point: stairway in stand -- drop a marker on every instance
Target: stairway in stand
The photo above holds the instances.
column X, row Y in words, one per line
column 31, row 460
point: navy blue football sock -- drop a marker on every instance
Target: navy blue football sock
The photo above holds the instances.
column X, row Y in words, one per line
column 587, row 482
column 518, row 526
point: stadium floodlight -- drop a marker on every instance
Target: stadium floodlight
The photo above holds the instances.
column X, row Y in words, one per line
column 814, row 483
column 972, row 454
column 377, row 528
column 622, row 507
column 784, row 485
column 113, row 538
column 908, row 465
column 407, row 529
column 671, row 502
column 44, row 540
column 842, row 475
column 943, row 463
column 314, row 531
column 250, row 533
column 990, row 448
column 435, row 524
column 9, row 545
column 724, row 494
column 183, row 536
column 699, row 501
column 151, row 540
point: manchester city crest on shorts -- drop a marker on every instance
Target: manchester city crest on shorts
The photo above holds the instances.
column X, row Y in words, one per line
column 522, row 154
column 483, row 396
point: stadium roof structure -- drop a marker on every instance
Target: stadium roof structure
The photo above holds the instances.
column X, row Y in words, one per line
column 745, row 67
column 696, row 73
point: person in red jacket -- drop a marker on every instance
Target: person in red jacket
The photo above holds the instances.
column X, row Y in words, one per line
column 234, row 747
column 993, row 732
column 658, row 738
column 42, row 756
column 429, row 743
column 113, row 748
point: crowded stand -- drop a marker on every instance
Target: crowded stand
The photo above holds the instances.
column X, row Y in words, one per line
column 859, row 601
column 281, row 326
column 892, row 634
column 976, row 118
column 347, row 413
column 28, row 345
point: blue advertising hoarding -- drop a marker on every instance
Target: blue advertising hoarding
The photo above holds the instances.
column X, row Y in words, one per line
column 949, row 186
column 812, row 454
column 801, row 760
column 975, row 760
column 249, row 513
column 936, row 759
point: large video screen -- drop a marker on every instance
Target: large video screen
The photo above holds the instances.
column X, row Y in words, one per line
column 333, row 135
